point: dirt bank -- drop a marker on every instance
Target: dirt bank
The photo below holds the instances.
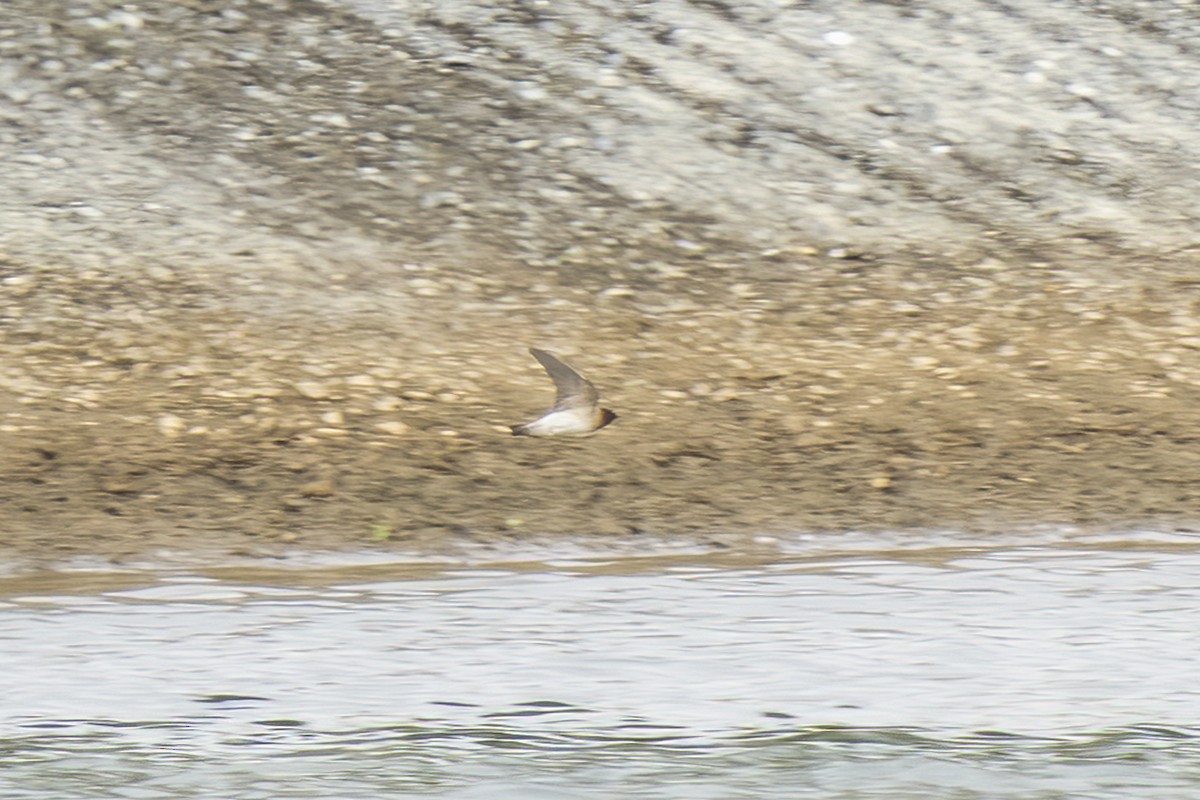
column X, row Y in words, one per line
column 863, row 403
column 270, row 269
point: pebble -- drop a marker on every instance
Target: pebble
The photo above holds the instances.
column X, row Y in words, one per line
column 313, row 390
column 322, row 487
column 170, row 425
column 331, row 432
column 117, row 486
column 388, row 403
column 393, row 427
column 795, row 423
column 440, row 199
column 838, row 38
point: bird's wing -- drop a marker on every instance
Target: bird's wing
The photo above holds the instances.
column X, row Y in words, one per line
column 574, row 390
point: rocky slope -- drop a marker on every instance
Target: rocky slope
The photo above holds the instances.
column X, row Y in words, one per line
column 268, row 269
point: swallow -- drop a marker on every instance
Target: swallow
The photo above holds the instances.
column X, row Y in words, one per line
column 576, row 406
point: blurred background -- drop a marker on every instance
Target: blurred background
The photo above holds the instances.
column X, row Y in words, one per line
column 896, row 302
column 273, row 265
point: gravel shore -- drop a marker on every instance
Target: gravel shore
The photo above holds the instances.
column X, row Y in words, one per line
column 269, row 270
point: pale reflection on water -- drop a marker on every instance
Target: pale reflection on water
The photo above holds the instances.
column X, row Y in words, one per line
column 1012, row 671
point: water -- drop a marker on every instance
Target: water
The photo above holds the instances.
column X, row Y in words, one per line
column 1056, row 670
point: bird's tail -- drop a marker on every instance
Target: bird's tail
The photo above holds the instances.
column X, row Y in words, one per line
column 520, row 430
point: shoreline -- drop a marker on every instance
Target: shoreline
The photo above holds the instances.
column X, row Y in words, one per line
column 94, row 572
column 821, row 405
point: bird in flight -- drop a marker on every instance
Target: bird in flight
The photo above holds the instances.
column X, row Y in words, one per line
column 576, row 406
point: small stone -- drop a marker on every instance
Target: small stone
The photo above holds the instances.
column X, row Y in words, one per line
column 313, row 390
column 331, row 118
column 322, row 487
column 389, row 403
column 333, row 418
column 117, row 486
column 795, row 423
column 170, row 425
column 331, row 432
column 87, row 212
column 440, row 199
column 393, row 427
column 811, row 440
column 881, row 482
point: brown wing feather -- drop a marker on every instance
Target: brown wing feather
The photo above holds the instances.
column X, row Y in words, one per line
column 574, row 390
